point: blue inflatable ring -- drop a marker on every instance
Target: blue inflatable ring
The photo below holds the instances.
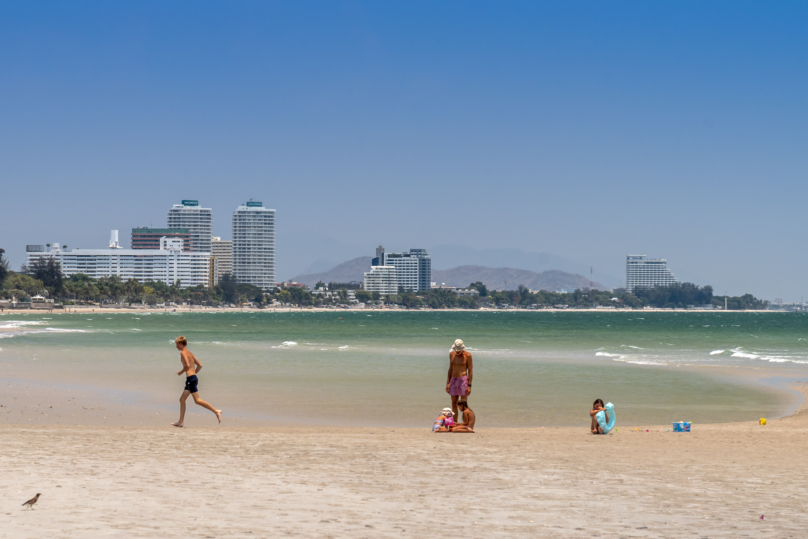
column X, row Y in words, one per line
column 601, row 418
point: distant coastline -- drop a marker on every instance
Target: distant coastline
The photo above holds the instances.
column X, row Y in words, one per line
column 70, row 309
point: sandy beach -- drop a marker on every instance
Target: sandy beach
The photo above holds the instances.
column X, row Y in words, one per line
column 97, row 481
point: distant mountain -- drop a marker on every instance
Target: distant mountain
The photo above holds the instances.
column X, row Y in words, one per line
column 510, row 278
column 452, row 256
column 493, row 278
column 352, row 270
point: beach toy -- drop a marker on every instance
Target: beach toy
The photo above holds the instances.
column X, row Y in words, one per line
column 681, row 426
column 762, row 420
column 646, row 430
column 601, row 418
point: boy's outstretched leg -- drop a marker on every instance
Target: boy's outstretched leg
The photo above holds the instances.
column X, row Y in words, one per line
column 205, row 404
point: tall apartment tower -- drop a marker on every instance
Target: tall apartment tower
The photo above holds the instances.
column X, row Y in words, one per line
column 413, row 268
column 198, row 222
column 254, row 245
column 644, row 272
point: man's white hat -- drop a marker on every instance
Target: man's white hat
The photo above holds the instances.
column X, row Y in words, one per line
column 458, row 346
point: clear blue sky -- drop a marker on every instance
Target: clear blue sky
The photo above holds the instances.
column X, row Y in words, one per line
column 590, row 130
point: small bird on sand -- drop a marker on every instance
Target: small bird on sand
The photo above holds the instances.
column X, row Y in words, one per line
column 30, row 503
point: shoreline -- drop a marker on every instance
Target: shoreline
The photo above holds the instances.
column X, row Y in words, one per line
column 202, row 309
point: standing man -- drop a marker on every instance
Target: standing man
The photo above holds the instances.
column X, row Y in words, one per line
column 461, row 371
column 191, row 366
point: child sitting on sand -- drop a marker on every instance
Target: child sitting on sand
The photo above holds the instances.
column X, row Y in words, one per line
column 597, row 406
column 469, row 419
column 443, row 421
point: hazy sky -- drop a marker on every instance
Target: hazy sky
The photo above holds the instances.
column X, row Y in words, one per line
column 589, row 130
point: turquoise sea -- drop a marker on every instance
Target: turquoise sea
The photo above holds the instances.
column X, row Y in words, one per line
column 389, row 368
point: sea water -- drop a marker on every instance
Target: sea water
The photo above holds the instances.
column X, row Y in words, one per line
column 378, row 368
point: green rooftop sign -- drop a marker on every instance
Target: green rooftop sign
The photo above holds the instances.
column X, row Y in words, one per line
column 254, row 204
column 190, row 203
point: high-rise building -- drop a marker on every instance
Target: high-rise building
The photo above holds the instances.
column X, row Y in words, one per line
column 381, row 279
column 413, row 268
column 168, row 264
column 222, row 258
column 149, row 238
column 198, row 222
column 254, row 245
column 644, row 272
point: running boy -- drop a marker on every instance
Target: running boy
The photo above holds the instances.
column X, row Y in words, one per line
column 191, row 366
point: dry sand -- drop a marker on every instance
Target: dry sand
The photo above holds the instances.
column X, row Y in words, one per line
column 350, row 482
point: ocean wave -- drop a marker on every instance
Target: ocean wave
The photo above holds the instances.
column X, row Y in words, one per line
column 343, row 347
column 716, row 352
column 745, row 355
column 286, row 344
column 607, row 354
column 26, row 332
column 16, row 324
column 639, row 361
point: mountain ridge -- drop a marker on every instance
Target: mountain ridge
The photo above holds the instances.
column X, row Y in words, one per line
column 462, row 276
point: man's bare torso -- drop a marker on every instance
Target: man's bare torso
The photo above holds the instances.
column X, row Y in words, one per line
column 459, row 363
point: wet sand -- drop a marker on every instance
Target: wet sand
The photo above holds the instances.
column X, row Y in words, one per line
column 359, row 482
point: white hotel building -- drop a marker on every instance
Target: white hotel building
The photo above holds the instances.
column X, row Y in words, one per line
column 254, row 245
column 644, row 272
column 413, row 268
column 381, row 279
column 167, row 264
column 198, row 221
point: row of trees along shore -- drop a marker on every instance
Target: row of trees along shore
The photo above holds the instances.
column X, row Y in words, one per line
column 44, row 276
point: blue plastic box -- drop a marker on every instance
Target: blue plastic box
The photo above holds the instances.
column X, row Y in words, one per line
column 681, row 426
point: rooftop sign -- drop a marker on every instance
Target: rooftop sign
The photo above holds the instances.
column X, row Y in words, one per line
column 34, row 248
column 190, row 203
column 252, row 204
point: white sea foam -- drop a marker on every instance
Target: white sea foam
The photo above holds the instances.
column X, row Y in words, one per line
column 716, row 352
column 288, row 343
column 16, row 324
column 343, row 347
column 738, row 353
column 607, row 354
column 638, row 361
column 136, row 329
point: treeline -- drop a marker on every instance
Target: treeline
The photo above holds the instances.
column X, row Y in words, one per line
column 44, row 276
column 676, row 296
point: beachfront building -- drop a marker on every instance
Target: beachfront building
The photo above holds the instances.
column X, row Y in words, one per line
column 198, row 222
column 149, row 238
column 413, row 268
column 381, row 279
column 644, row 272
column 168, row 264
column 253, row 245
column 221, row 257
